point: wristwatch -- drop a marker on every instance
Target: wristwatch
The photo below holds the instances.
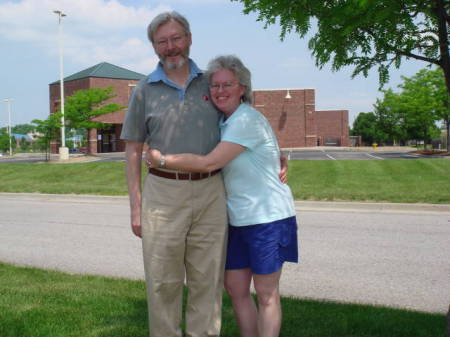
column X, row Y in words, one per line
column 162, row 161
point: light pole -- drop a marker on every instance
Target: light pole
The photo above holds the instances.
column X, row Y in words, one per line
column 63, row 150
column 8, row 101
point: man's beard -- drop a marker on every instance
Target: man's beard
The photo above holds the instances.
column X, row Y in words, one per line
column 178, row 64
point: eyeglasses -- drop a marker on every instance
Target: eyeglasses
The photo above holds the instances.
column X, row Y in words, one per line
column 176, row 39
column 224, row 86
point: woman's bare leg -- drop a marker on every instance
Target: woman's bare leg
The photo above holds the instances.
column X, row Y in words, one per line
column 237, row 285
column 269, row 306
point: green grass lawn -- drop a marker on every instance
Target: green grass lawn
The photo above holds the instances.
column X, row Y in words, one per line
column 39, row 303
column 410, row 181
column 420, row 180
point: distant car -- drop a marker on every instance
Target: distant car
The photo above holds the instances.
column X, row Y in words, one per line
column 1, row 154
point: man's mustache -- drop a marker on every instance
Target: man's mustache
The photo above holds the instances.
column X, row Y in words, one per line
column 174, row 53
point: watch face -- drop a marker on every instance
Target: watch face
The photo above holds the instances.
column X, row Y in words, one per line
column 162, row 161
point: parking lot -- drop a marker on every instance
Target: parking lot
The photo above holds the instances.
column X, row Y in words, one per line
column 346, row 154
column 317, row 153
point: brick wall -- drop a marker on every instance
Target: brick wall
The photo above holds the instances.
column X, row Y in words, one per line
column 332, row 126
column 122, row 89
column 292, row 118
column 296, row 122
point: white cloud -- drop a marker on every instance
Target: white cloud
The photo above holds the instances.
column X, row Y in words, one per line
column 94, row 14
column 94, row 30
column 131, row 53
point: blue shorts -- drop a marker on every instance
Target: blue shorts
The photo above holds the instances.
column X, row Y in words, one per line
column 264, row 247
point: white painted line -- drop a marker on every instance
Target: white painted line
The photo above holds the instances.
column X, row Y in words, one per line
column 332, row 158
column 376, row 157
column 412, row 155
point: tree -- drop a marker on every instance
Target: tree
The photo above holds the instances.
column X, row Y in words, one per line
column 390, row 119
column 4, row 141
column 365, row 125
column 48, row 130
column 423, row 98
column 428, row 89
column 23, row 129
column 411, row 113
column 25, row 144
column 365, row 33
column 86, row 104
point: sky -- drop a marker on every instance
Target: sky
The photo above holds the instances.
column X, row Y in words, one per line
column 114, row 31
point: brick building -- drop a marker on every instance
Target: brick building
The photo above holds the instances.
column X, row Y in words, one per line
column 101, row 75
column 291, row 112
column 293, row 116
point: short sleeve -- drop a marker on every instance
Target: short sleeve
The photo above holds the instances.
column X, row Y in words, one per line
column 134, row 127
column 248, row 129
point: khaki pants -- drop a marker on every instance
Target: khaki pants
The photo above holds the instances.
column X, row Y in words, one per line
column 184, row 231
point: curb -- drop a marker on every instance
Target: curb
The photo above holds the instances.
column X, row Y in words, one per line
column 300, row 205
column 379, row 207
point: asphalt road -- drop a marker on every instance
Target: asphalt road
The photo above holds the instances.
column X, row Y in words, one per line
column 384, row 254
column 352, row 155
column 295, row 154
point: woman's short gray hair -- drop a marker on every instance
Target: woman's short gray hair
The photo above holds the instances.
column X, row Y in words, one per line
column 163, row 18
column 235, row 65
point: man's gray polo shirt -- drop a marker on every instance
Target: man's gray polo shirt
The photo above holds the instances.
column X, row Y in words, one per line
column 170, row 118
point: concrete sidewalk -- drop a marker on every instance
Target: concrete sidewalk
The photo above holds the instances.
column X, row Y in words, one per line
column 300, row 205
column 381, row 207
column 375, row 253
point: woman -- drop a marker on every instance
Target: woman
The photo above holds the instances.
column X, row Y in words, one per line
column 263, row 228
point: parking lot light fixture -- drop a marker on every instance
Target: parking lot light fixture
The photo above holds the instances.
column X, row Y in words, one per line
column 288, row 95
column 63, row 150
column 8, row 102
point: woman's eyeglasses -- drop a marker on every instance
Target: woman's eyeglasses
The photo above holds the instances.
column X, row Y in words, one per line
column 224, row 86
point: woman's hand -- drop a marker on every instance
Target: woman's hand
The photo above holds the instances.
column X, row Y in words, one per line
column 152, row 157
column 284, row 169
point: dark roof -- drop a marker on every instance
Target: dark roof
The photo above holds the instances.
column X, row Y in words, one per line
column 104, row 70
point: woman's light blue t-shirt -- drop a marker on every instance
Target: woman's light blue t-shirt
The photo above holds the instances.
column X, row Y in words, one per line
column 255, row 193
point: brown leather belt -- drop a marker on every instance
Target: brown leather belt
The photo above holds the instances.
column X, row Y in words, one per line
column 182, row 176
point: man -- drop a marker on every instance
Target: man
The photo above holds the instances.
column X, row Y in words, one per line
column 181, row 217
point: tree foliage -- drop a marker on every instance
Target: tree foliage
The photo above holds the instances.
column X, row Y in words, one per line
column 365, row 33
column 365, row 125
column 390, row 119
column 412, row 112
column 4, row 141
column 48, row 130
column 84, row 105
column 23, row 129
column 79, row 111
column 424, row 97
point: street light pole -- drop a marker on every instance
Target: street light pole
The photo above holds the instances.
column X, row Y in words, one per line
column 8, row 101
column 63, row 150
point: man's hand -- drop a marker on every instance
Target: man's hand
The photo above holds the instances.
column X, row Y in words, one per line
column 136, row 226
column 283, row 169
column 152, row 157
column 133, row 154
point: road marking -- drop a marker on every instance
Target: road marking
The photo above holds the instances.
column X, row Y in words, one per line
column 376, row 157
column 332, row 158
column 412, row 155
